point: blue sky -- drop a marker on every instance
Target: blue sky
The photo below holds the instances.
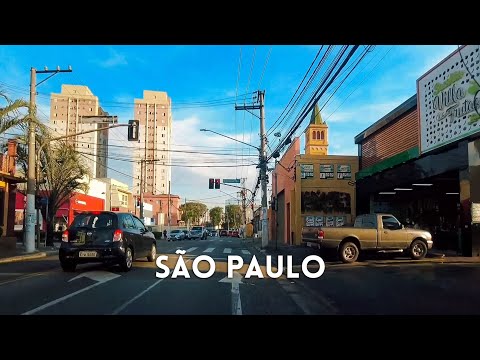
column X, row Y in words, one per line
column 194, row 76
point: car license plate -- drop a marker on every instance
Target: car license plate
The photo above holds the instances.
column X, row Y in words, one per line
column 87, row 254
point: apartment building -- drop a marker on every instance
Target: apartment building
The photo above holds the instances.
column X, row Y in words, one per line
column 155, row 116
column 76, row 109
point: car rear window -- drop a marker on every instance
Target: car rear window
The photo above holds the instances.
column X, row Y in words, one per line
column 93, row 221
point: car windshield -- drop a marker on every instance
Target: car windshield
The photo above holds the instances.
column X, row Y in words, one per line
column 93, row 221
column 174, row 231
column 196, row 228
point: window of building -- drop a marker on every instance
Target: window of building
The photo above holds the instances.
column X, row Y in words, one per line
column 322, row 135
column 164, row 142
column 163, row 135
column 314, row 135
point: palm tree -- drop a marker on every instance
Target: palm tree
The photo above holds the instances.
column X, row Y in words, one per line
column 11, row 114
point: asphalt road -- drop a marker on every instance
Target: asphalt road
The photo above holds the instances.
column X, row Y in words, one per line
column 40, row 287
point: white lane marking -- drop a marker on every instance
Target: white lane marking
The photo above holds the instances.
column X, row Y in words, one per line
column 124, row 305
column 209, row 250
column 59, row 300
column 236, row 300
column 100, row 276
column 191, row 249
column 227, row 251
column 245, row 252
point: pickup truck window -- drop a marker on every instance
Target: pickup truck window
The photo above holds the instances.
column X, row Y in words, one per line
column 366, row 221
column 391, row 223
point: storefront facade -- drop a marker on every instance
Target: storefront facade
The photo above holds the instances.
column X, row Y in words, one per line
column 421, row 162
column 312, row 189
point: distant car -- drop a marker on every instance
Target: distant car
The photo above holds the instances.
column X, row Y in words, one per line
column 198, row 232
column 106, row 237
column 223, row 233
column 234, row 233
column 176, row 235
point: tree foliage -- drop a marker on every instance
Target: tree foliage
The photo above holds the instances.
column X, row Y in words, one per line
column 12, row 113
column 193, row 211
column 61, row 172
column 233, row 215
column 216, row 215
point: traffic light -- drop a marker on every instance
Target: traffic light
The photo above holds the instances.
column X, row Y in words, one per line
column 217, row 183
column 133, row 127
column 211, row 183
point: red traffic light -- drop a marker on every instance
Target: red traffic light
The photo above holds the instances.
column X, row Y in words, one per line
column 211, row 183
column 217, row 183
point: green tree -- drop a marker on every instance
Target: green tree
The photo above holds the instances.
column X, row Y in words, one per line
column 216, row 215
column 11, row 113
column 194, row 212
column 62, row 172
column 233, row 215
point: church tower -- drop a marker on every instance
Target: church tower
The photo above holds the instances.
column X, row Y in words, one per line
column 316, row 135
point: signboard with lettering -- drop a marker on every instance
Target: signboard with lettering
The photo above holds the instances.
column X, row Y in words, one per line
column 330, row 221
column 309, row 220
column 306, row 171
column 231, row 181
column 344, row 172
column 446, row 96
column 318, row 220
column 326, row 171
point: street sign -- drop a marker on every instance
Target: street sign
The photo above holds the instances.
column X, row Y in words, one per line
column 231, row 181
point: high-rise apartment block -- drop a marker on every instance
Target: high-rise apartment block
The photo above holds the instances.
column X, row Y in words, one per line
column 155, row 116
column 76, row 109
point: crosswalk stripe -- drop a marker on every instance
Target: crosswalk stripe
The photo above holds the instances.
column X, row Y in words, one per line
column 191, row 249
column 209, row 250
column 227, row 251
column 246, row 252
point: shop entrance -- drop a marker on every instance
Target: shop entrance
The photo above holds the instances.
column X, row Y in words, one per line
column 432, row 204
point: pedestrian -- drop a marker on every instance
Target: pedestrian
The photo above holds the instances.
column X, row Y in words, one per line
column 165, row 234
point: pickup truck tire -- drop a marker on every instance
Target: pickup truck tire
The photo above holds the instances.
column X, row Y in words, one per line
column 418, row 249
column 348, row 252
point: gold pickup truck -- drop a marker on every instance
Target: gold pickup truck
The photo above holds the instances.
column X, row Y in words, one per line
column 371, row 232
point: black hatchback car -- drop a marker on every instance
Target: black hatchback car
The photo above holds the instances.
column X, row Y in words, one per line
column 106, row 237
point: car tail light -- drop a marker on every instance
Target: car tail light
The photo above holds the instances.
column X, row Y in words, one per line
column 320, row 234
column 65, row 236
column 117, row 235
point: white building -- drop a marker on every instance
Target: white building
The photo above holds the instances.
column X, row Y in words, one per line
column 155, row 132
column 77, row 109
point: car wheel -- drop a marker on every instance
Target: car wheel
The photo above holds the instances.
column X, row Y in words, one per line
column 153, row 253
column 418, row 249
column 348, row 252
column 127, row 262
column 68, row 266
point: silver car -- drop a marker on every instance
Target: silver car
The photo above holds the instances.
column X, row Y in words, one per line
column 198, row 232
column 176, row 235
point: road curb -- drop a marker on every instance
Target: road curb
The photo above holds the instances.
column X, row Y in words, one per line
column 38, row 255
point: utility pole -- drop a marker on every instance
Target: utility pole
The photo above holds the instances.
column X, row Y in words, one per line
column 31, row 181
column 263, row 159
column 169, row 206
column 141, row 189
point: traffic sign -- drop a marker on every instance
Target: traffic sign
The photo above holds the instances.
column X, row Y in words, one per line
column 231, row 181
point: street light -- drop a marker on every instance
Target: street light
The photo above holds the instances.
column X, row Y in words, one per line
column 228, row 137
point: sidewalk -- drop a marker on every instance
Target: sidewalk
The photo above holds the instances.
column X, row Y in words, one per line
column 300, row 252
column 19, row 254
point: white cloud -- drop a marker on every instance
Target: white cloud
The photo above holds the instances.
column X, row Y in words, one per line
column 114, row 59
